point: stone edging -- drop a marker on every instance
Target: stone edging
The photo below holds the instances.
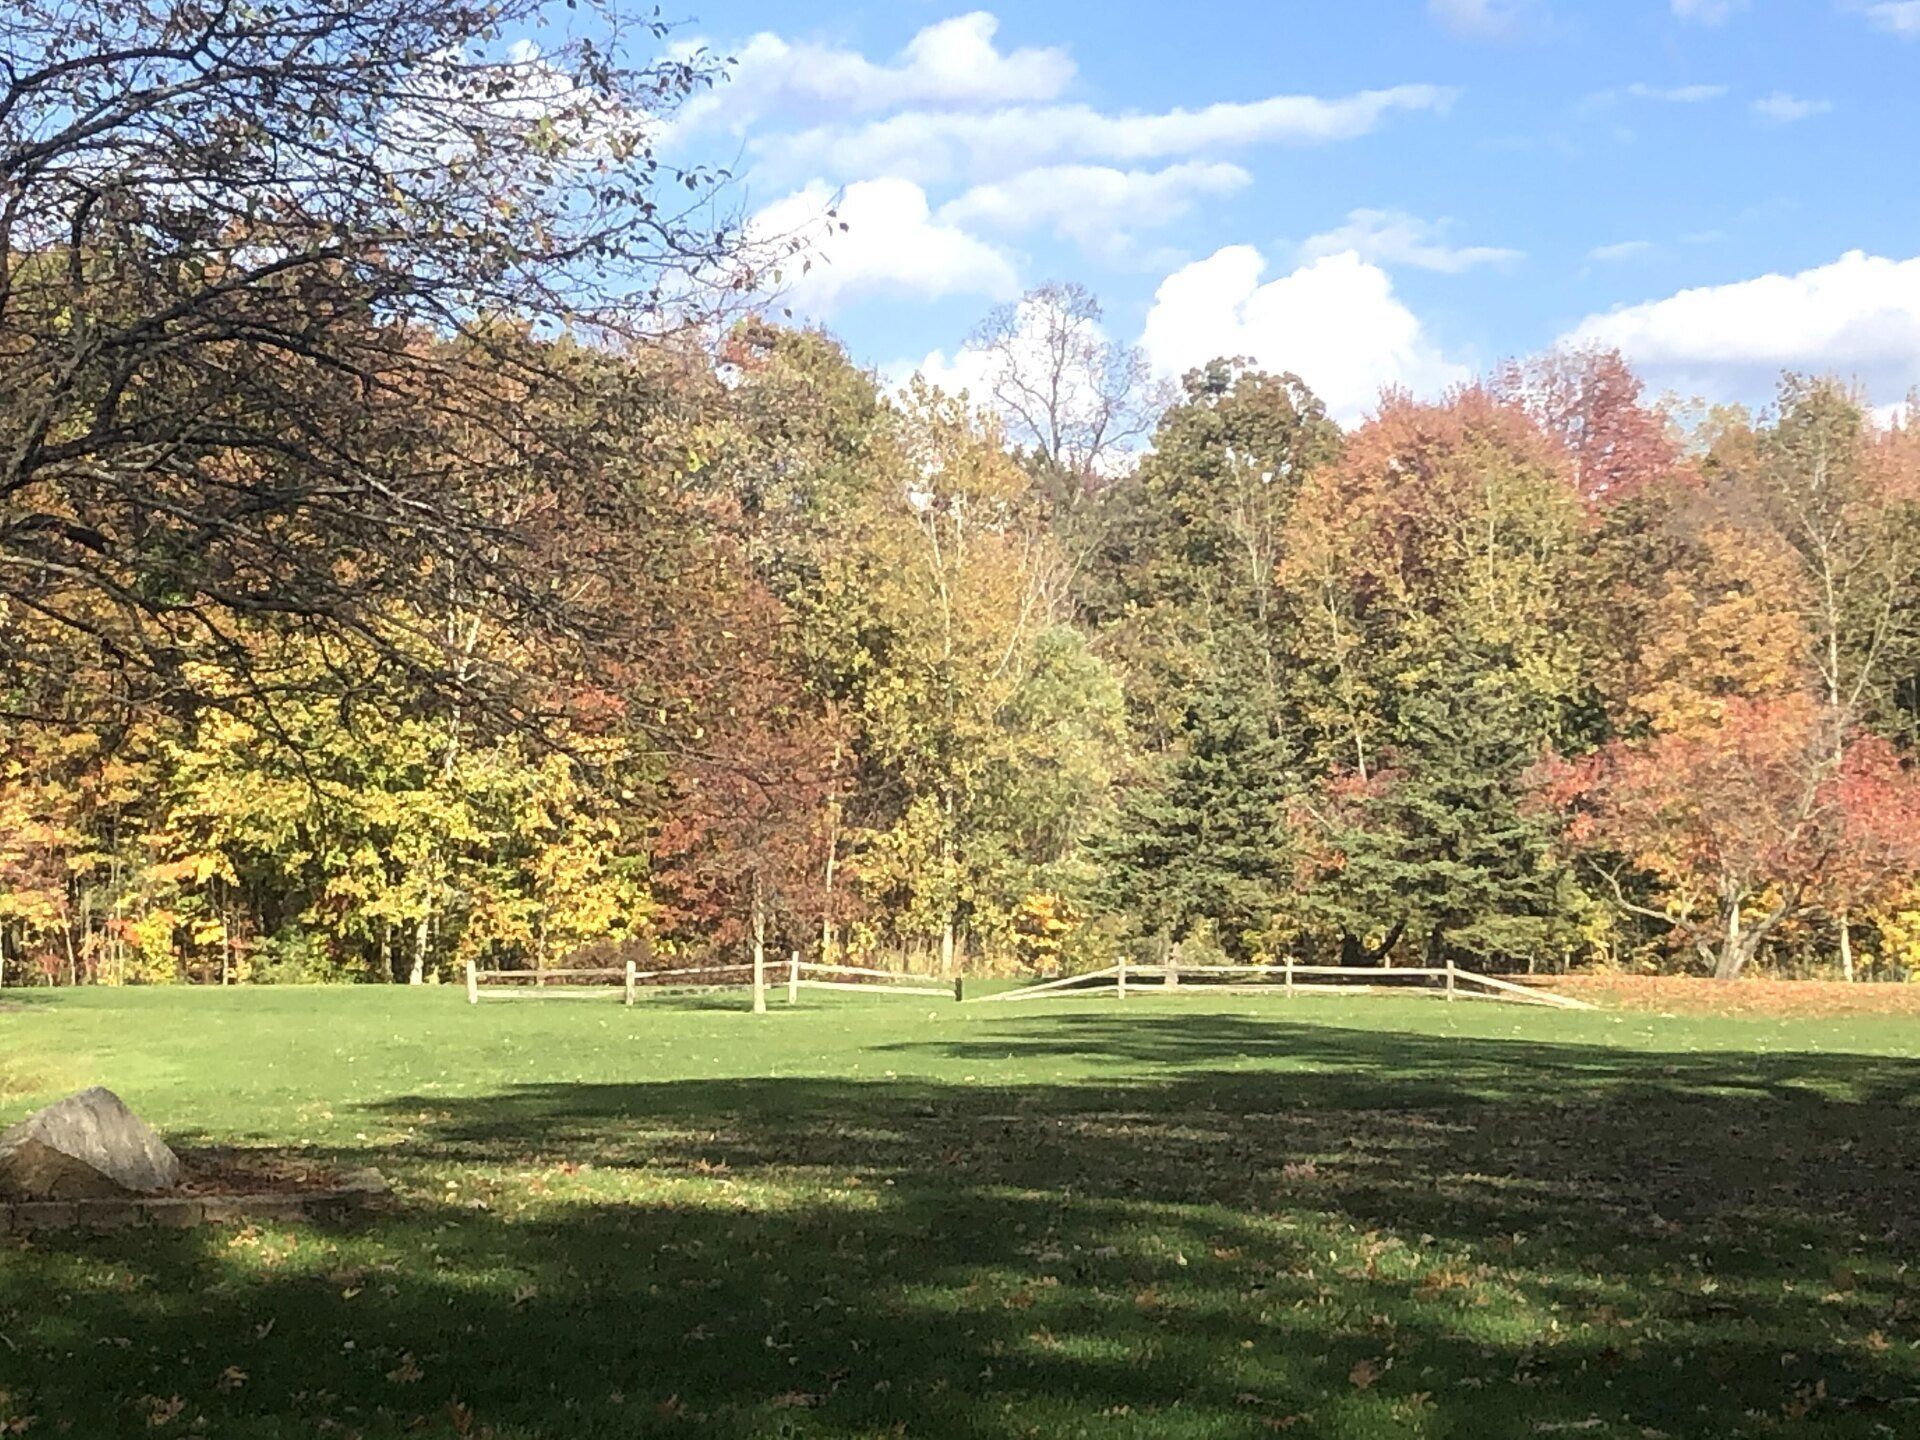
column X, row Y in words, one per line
column 182, row 1212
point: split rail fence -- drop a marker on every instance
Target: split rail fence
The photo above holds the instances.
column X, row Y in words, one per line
column 1123, row 980
column 597, row 984
column 1127, row 979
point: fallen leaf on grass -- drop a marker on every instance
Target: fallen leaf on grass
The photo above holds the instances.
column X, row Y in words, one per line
column 407, row 1372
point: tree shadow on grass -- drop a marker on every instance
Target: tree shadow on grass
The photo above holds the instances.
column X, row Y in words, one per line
column 1296, row 1228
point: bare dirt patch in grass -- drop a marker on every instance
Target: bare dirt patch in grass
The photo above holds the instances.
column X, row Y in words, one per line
column 220, row 1171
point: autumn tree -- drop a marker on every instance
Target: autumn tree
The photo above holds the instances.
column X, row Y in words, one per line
column 744, row 812
column 253, row 263
column 1191, row 566
column 1773, row 814
column 1589, row 402
column 1438, row 648
column 1854, row 527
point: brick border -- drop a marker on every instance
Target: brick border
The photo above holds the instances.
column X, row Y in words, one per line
column 183, row 1212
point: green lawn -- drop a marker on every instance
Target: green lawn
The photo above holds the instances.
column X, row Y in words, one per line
column 1178, row 1217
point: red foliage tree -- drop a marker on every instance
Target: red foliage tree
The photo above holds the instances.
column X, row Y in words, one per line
column 1773, row 814
column 1589, row 400
column 747, row 802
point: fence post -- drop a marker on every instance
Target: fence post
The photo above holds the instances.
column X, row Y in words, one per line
column 957, row 995
column 473, row 983
column 1289, row 969
column 793, row 979
column 633, row 980
column 1121, row 980
column 1449, row 979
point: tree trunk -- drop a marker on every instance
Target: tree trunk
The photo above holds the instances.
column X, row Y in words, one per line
column 826, row 897
column 759, row 950
column 1846, row 948
column 1736, row 949
column 417, row 975
column 947, row 866
column 833, row 845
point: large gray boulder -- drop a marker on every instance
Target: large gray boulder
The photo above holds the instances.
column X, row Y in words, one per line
column 86, row 1147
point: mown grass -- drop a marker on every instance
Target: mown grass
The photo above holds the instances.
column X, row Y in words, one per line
column 1189, row 1217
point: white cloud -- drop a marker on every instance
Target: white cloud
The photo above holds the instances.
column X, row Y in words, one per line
column 1393, row 237
column 1496, row 18
column 1896, row 17
column 1678, row 94
column 930, row 145
column 891, row 246
column 967, row 371
column 955, row 62
column 1783, row 109
column 1096, row 206
column 1707, row 12
column 1335, row 322
column 1620, row 250
column 1858, row 318
column 1656, row 94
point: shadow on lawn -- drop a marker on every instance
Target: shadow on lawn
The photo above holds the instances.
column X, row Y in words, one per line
column 1392, row 1235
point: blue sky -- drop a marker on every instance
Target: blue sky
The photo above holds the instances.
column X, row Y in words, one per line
column 1403, row 191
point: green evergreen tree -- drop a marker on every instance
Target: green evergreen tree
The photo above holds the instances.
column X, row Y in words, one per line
column 1438, row 853
column 1207, row 839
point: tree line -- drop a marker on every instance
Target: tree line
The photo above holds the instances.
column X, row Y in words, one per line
column 414, row 549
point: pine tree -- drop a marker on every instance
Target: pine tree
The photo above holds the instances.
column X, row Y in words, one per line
column 1440, row 847
column 1207, row 839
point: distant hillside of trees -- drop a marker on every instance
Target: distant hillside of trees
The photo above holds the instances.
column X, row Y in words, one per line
column 410, row 553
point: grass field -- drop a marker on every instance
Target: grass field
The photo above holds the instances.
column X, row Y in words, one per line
column 1182, row 1218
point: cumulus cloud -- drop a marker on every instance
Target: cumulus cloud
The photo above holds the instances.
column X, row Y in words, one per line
column 1335, row 322
column 967, row 371
column 955, row 62
column 931, row 145
column 1707, row 12
column 891, row 245
column 1858, row 318
column 1783, row 109
column 1096, row 206
column 1393, row 237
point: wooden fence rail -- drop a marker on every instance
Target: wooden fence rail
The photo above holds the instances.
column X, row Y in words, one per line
column 819, row 975
column 1123, row 981
column 561, row 984
column 1127, row 980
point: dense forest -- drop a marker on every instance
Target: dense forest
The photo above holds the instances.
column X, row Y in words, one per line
column 382, row 588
